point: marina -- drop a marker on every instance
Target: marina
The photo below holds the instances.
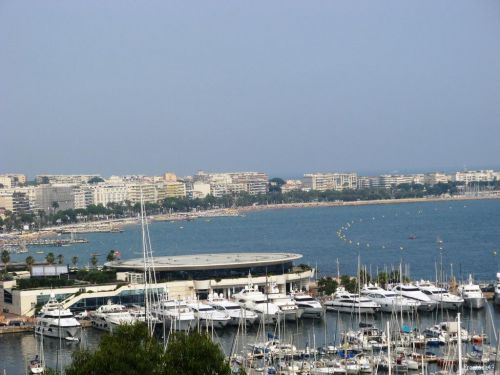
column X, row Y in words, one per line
column 320, row 340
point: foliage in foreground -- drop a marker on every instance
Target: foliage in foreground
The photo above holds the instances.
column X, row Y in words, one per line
column 130, row 350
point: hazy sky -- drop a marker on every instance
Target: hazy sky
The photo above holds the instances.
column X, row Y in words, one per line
column 286, row 87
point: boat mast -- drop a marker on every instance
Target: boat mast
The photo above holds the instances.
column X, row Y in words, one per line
column 149, row 270
column 459, row 345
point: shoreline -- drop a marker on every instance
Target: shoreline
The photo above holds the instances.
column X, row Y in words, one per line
column 118, row 224
column 361, row 203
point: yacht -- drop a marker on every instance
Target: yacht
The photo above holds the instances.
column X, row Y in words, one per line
column 344, row 301
column 410, row 291
column 388, row 300
column 56, row 321
column 472, row 294
column 252, row 299
column 288, row 308
column 448, row 332
column 207, row 316
column 497, row 290
column 441, row 296
column 235, row 311
column 108, row 317
column 174, row 314
column 310, row 306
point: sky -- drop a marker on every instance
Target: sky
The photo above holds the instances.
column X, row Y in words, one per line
column 284, row 87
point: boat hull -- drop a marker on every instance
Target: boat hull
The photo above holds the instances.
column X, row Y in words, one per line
column 351, row 309
column 427, row 306
column 475, row 303
column 180, row 325
column 312, row 312
column 59, row 332
column 496, row 300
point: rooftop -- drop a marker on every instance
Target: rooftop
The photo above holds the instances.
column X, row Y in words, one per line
column 208, row 261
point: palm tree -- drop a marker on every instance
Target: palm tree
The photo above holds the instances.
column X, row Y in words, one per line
column 5, row 259
column 93, row 261
column 60, row 259
column 111, row 256
column 74, row 261
column 30, row 261
column 50, row 258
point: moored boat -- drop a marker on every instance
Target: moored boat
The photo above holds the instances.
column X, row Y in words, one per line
column 56, row 321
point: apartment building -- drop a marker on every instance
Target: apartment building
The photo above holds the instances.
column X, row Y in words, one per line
column 52, row 198
column 233, row 182
column 475, row 176
column 392, row 180
column 147, row 190
column 105, row 193
column 330, row 181
column 14, row 201
column 83, row 196
column 12, row 179
column 436, row 178
column 291, row 185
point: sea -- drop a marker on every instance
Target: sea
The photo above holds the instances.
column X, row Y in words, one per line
column 452, row 238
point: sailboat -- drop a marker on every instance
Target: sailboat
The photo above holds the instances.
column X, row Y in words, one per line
column 37, row 364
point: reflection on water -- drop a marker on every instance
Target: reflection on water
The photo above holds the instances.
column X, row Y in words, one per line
column 17, row 349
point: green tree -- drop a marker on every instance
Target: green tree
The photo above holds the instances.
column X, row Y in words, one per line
column 327, row 285
column 111, row 256
column 93, row 261
column 30, row 261
column 5, row 259
column 55, row 205
column 60, row 259
column 204, row 356
column 95, row 180
column 50, row 258
column 349, row 283
column 130, row 350
column 74, row 261
column 275, row 184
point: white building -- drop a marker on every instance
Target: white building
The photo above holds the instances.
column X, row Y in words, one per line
column 83, row 196
column 475, row 176
column 105, row 193
column 147, row 190
column 330, row 181
column 234, row 182
column 200, row 189
column 392, row 180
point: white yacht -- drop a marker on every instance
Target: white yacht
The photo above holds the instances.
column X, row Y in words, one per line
column 288, row 308
column 344, row 301
column 310, row 306
column 497, row 290
column 207, row 316
column 175, row 314
column 252, row 299
column 108, row 317
column 56, row 321
column 235, row 311
column 388, row 300
column 472, row 294
column 410, row 291
column 441, row 296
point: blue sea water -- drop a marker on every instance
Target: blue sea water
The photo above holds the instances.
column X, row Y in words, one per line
column 469, row 231
column 464, row 234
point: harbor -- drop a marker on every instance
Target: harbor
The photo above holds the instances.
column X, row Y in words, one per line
column 314, row 341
